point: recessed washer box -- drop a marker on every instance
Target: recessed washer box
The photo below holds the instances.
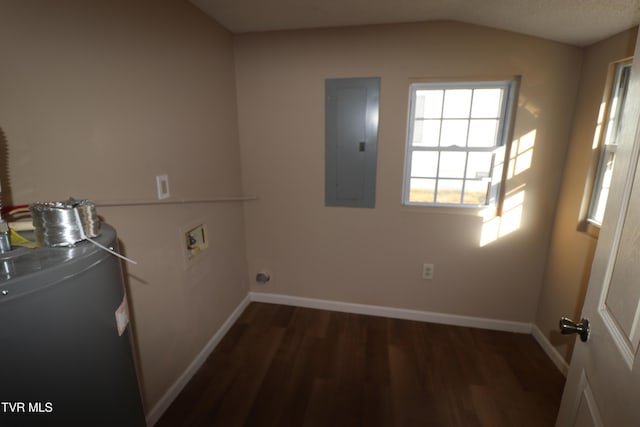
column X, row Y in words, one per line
column 196, row 240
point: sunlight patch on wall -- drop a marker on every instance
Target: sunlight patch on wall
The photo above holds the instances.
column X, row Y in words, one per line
column 521, row 154
column 510, row 219
column 530, row 107
column 499, row 226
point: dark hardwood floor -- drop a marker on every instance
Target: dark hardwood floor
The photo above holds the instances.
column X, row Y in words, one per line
column 290, row 366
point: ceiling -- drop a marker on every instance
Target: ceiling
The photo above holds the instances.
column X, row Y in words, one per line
column 577, row 22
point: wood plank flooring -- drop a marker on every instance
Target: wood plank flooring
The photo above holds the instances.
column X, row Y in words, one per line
column 290, row 366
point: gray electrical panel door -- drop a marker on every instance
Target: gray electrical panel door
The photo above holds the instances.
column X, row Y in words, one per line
column 351, row 141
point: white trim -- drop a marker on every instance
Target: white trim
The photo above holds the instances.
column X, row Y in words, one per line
column 396, row 313
column 551, row 351
column 167, row 399
column 373, row 310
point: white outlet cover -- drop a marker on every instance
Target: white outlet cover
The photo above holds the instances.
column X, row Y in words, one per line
column 427, row 271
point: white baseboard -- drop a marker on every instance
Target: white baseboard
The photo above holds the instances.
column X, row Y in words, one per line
column 551, row 351
column 396, row 313
column 165, row 401
column 373, row 310
column 422, row 316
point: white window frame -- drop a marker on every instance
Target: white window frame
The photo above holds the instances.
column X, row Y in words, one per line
column 609, row 141
column 499, row 151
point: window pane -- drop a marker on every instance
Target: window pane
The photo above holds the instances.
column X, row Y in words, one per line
column 457, row 103
column 604, row 185
column 426, row 133
column 422, row 190
column 486, row 103
column 613, row 124
column 617, row 103
column 452, row 164
column 449, row 191
column 598, row 215
column 429, row 104
column 479, row 165
column 424, row 164
column 482, row 133
column 475, row 193
column 610, row 137
column 454, row 133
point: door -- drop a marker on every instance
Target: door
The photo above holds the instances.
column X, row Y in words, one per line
column 603, row 384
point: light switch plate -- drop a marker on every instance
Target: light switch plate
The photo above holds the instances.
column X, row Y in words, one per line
column 162, row 183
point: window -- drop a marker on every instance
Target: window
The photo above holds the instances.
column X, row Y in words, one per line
column 455, row 132
column 609, row 144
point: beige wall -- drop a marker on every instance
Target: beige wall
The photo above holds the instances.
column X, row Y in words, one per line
column 96, row 98
column 374, row 256
column 571, row 249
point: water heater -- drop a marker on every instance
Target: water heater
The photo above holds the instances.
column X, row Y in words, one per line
column 65, row 351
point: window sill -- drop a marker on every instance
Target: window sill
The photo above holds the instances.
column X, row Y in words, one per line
column 589, row 228
column 450, row 210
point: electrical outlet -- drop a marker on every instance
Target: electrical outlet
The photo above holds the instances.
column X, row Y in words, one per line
column 427, row 271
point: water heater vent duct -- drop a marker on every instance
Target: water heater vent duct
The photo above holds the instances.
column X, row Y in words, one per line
column 56, row 223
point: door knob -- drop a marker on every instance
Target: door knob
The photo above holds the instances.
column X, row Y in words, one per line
column 568, row 326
